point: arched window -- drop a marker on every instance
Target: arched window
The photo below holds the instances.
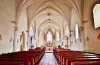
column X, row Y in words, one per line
column 57, row 36
column 49, row 36
column 31, row 35
column 96, row 15
column 31, row 32
column 67, row 31
column 76, row 31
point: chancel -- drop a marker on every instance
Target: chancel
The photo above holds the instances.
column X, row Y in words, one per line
column 49, row 32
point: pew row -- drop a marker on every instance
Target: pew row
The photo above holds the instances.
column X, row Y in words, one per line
column 68, row 57
column 31, row 57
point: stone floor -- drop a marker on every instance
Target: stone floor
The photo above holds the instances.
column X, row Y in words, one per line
column 48, row 59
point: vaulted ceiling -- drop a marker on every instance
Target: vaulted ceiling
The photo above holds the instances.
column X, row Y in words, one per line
column 53, row 14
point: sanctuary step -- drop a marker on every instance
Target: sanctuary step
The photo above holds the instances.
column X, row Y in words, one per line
column 48, row 59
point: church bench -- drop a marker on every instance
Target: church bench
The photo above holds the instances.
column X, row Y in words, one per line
column 25, row 60
column 63, row 55
column 27, row 57
column 85, row 63
column 60, row 57
column 69, row 61
column 11, row 63
column 63, row 59
column 24, row 56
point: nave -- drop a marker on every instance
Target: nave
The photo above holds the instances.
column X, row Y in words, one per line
column 60, row 56
column 31, row 29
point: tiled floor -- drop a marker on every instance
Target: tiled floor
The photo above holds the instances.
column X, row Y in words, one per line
column 48, row 59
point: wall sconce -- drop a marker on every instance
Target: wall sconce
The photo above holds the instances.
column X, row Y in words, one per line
column 13, row 22
column 0, row 37
column 85, row 21
column 81, row 28
column 99, row 36
column 11, row 39
column 87, row 39
column 70, row 35
column 16, row 28
column 71, row 31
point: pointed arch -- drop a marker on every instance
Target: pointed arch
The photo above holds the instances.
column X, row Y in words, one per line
column 49, row 36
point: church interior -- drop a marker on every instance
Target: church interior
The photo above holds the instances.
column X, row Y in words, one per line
column 49, row 32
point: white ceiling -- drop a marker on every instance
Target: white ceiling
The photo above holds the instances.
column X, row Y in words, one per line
column 57, row 11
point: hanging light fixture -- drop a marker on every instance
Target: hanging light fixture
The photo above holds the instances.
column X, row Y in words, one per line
column 49, row 22
column 49, row 13
column 49, row 9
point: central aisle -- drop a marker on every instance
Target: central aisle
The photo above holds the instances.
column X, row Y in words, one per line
column 48, row 59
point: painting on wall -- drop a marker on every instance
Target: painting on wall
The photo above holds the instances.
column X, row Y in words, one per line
column 87, row 39
column 99, row 36
column 20, row 38
column 0, row 37
column 11, row 39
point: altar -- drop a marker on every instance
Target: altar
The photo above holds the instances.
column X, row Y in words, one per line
column 49, row 47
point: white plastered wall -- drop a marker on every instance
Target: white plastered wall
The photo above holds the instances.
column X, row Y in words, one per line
column 7, row 14
column 22, row 27
column 75, row 44
column 93, row 45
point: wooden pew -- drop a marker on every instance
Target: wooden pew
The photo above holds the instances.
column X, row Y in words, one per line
column 68, row 61
column 27, row 57
column 11, row 63
column 65, row 57
column 85, row 63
